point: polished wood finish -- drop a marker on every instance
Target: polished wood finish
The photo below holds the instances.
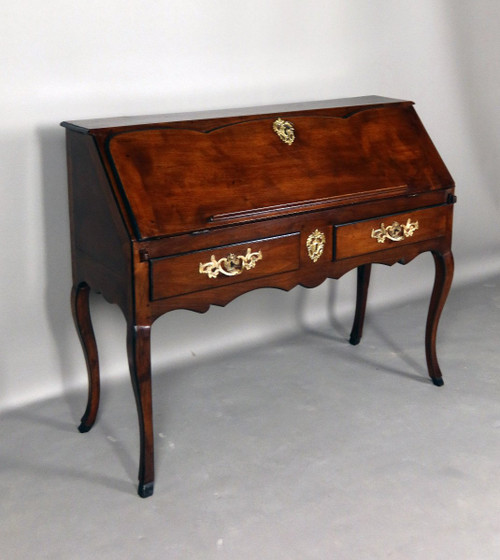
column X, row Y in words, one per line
column 443, row 261
column 188, row 211
column 164, row 195
column 364, row 272
column 355, row 238
column 81, row 315
column 180, row 274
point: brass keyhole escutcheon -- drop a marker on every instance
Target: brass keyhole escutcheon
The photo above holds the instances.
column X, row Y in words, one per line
column 315, row 245
column 284, row 130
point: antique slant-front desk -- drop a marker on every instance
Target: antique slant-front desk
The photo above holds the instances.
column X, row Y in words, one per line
column 187, row 211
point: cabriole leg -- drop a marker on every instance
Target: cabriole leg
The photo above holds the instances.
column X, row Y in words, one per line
column 442, row 283
column 83, row 323
column 361, row 297
column 139, row 356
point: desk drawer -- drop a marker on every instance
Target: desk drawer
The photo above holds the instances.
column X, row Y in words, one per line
column 220, row 266
column 384, row 232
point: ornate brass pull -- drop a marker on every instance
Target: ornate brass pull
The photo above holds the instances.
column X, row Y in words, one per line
column 284, row 130
column 231, row 265
column 395, row 232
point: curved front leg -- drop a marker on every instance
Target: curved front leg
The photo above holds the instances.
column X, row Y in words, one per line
column 139, row 357
column 364, row 272
column 83, row 323
column 442, row 283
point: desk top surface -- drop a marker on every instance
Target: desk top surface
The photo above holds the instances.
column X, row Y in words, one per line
column 101, row 124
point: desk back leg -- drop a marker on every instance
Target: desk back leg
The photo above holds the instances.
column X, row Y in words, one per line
column 139, row 356
column 442, row 283
column 83, row 323
column 361, row 297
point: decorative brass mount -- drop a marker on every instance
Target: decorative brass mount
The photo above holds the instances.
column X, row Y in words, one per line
column 395, row 232
column 232, row 265
column 285, row 131
column 315, row 244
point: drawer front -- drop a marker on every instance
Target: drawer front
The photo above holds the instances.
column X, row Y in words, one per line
column 385, row 232
column 221, row 266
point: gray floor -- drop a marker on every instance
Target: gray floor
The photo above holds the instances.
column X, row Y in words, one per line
column 306, row 448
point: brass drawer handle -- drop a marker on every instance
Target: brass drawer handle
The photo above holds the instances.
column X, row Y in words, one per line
column 284, row 130
column 232, row 265
column 395, row 232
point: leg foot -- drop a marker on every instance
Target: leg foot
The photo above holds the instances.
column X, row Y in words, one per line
column 84, row 428
column 442, row 283
column 354, row 339
column 83, row 323
column 139, row 356
column 361, row 297
column 146, row 490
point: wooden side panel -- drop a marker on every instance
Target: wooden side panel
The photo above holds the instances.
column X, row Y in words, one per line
column 181, row 180
column 100, row 242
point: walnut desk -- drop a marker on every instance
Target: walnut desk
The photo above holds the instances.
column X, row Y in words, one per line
column 188, row 211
